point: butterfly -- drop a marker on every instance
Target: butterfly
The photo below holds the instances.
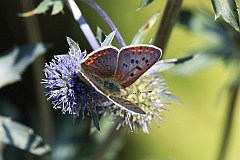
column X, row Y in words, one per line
column 109, row 70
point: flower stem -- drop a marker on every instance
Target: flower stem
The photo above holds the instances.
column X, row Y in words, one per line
column 168, row 20
column 33, row 34
column 233, row 91
column 109, row 22
column 106, row 144
column 83, row 24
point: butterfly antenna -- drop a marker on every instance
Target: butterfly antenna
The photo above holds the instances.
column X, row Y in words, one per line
column 141, row 92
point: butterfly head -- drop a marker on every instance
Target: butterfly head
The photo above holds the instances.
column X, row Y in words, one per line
column 112, row 87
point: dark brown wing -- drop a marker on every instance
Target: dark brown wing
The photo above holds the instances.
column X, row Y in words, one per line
column 101, row 62
column 133, row 61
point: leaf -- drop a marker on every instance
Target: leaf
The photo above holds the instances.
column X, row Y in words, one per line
column 16, row 61
column 201, row 61
column 57, row 7
column 43, row 7
column 163, row 65
column 100, row 35
column 228, row 9
column 143, row 31
column 144, row 3
column 22, row 137
column 220, row 44
column 108, row 39
column 95, row 119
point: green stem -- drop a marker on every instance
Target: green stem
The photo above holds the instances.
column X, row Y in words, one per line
column 106, row 144
column 233, row 92
column 108, row 21
column 33, row 34
column 168, row 20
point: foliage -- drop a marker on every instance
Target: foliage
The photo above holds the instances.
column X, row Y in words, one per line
column 62, row 80
column 229, row 11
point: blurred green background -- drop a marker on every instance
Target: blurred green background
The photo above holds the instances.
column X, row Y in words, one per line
column 191, row 130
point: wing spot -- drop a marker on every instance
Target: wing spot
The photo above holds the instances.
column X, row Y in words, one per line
column 143, row 58
column 139, row 68
column 137, row 61
column 132, row 61
column 132, row 74
column 125, row 65
column 146, row 61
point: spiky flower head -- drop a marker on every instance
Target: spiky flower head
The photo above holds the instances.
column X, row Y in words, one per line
column 150, row 93
column 66, row 90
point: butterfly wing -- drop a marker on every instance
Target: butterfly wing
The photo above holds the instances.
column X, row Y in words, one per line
column 133, row 61
column 101, row 62
column 125, row 104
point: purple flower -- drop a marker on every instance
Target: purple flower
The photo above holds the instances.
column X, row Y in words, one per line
column 69, row 92
column 66, row 90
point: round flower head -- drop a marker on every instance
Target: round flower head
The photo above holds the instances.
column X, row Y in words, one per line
column 72, row 93
column 150, row 95
column 66, row 90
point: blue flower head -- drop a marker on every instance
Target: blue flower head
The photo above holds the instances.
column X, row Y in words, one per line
column 66, row 90
column 74, row 95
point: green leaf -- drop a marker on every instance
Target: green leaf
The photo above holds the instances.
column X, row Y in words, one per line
column 16, row 61
column 22, row 137
column 164, row 65
column 143, row 31
column 229, row 11
column 100, row 35
column 108, row 39
column 57, row 7
column 95, row 119
column 144, row 3
column 43, row 7
column 75, row 49
column 221, row 42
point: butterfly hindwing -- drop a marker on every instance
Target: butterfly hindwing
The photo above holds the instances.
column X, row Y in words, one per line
column 101, row 62
column 125, row 104
column 133, row 61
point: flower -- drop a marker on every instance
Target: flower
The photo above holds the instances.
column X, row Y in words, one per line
column 71, row 93
column 151, row 101
column 66, row 90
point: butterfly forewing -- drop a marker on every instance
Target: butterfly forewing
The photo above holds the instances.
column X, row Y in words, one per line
column 125, row 104
column 101, row 62
column 133, row 61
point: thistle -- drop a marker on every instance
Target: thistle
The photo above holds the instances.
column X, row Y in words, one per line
column 151, row 103
column 71, row 93
column 66, row 90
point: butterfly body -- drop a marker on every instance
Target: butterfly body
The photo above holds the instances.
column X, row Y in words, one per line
column 109, row 69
